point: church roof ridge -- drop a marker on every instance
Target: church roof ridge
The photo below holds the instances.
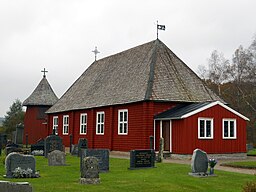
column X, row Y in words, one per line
column 150, row 71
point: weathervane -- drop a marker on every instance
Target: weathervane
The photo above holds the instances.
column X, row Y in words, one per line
column 159, row 27
column 44, row 71
column 95, row 51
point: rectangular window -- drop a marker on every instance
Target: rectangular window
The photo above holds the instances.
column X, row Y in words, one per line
column 123, row 122
column 65, row 124
column 83, row 123
column 55, row 125
column 205, row 128
column 100, row 123
column 229, row 128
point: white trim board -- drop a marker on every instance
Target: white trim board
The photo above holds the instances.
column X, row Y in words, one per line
column 211, row 105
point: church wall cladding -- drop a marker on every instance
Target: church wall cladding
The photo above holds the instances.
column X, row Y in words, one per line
column 140, row 126
column 34, row 125
column 185, row 133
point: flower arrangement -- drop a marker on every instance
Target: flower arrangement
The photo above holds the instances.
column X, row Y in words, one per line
column 212, row 162
column 24, row 173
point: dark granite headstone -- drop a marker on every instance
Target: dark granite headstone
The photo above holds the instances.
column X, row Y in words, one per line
column 101, row 154
column 38, row 148
column 52, row 142
column 199, row 164
column 142, row 159
column 15, row 160
column 82, row 144
column 90, row 171
column 56, row 158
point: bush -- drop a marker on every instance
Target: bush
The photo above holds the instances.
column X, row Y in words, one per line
column 250, row 187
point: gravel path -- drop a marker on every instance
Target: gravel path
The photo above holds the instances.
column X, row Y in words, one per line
column 126, row 155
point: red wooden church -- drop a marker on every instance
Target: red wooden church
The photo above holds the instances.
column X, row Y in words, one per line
column 35, row 122
column 122, row 100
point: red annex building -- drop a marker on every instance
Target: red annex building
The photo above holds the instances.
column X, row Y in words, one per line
column 122, row 100
column 35, row 122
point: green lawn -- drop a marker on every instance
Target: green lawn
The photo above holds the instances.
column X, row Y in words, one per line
column 166, row 177
column 251, row 152
column 242, row 164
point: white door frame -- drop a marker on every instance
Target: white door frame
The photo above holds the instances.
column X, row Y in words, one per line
column 161, row 133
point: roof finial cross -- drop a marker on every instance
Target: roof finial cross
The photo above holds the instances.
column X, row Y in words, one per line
column 95, row 51
column 44, row 71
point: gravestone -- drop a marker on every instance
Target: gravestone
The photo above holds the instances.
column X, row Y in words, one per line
column 140, row 159
column 74, row 150
column 19, row 134
column 7, row 186
column 199, row 164
column 15, row 160
column 38, row 148
column 90, row 171
column 12, row 147
column 101, row 154
column 82, row 144
column 52, row 142
column 161, row 150
column 56, row 158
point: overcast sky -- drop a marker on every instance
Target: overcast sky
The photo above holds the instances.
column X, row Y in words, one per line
column 59, row 35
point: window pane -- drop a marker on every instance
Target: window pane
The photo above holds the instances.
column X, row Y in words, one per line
column 102, row 128
column 102, row 118
column 125, row 116
column 121, row 128
column 98, row 128
column 98, row 118
column 232, row 129
column 201, row 128
column 125, row 127
column 208, row 128
column 121, row 116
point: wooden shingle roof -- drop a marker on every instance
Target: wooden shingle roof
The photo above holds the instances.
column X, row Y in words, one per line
column 147, row 72
column 42, row 95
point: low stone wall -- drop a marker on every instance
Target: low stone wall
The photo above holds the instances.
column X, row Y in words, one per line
column 216, row 156
column 6, row 186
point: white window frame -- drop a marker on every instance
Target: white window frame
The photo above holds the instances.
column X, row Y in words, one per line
column 83, row 125
column 65, row 127
column 55, row 124
column 205, row 131
column 100, row 123
column 122, row 123
column 235, row 132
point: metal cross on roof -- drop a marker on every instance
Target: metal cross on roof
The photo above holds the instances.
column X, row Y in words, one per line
column 95, row 51
column 44, row 71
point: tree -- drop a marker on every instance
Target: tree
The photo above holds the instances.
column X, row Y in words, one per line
column 14, row 116
column 217, row 71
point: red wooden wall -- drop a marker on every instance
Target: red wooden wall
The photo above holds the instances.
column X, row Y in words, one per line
column 185, row 133
column 33, row 126
column 140, row 126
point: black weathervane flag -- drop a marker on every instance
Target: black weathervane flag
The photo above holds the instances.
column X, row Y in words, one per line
column 160, row 27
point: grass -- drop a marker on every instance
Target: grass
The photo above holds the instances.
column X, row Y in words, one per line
column 241, row 164
column 251, row 152
column 166, row 177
